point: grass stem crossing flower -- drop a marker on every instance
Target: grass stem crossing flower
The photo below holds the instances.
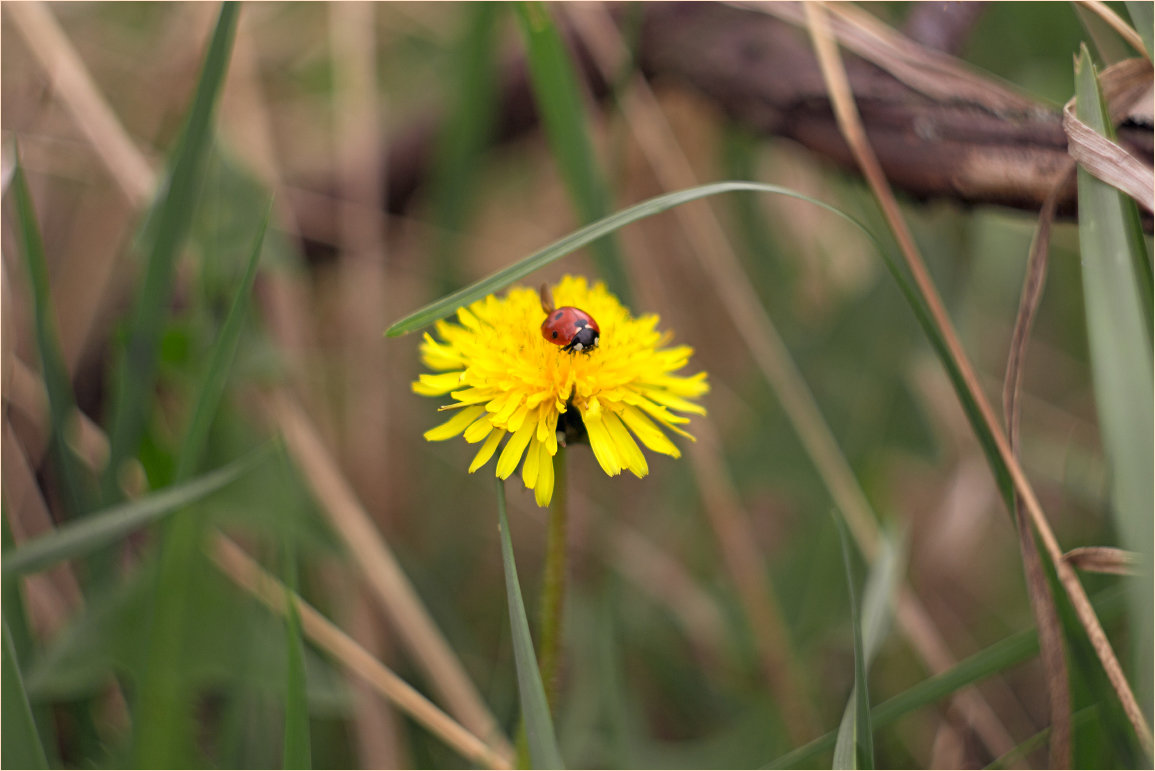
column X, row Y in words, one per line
column 507, row 382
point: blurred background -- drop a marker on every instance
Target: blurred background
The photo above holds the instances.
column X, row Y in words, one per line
column 398, row 152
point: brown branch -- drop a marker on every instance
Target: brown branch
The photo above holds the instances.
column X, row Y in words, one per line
column 761, row 72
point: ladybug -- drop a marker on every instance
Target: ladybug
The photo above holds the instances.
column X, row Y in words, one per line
column 571, row 328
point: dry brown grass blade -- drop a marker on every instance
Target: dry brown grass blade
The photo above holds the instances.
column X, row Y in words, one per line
column 247, row 574
column 54, row 596
column 378, row 728
column 673, row 170
column 1038, row 589
column 851, row 126
column 1115, row 22
column 364, row 309
column 411, row 621
column 27, row 395
column 933, row 73
column 285, row 300
column 80, row 95
column 1103, row 559
column 1107, row 160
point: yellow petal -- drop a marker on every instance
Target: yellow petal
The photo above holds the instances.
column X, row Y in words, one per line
column 437, row 385
column 478, row 430
column 665, row 417
column 645, row 430
column 486, row 451
column 467, row 319
column 517, row 418
column 513, row 450
column 661, row 396
column 454, row 425
column 543, row 492
column 627, row 448
column 602, row 444
column 529, row 468
column 474, row 395
column 512, row 402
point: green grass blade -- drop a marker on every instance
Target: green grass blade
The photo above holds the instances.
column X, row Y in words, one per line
column 1117, row 297
column 168, row 230
column 216, row 373
column 877, row 606
column 61, row 402
column 447, row 305
column 854, row 747
column 465, row 135
column 1142, row 13
column 21, row 747
column 558, row 96
column 105, row 527
column 543, row 749
column 297, row 752
column 1006, row 653
column 164, row 720
column 1017, row 756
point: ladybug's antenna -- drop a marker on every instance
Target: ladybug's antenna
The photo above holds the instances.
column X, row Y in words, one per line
column 546, row 299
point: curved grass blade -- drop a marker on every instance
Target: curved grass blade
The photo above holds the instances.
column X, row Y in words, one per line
column 854, row 747
column 166, row 232
column 21, row 747
column 1117, row 295
column 447, row 305
column 543, row 749
column 558, row 96
column 102, row 528
column 61, row 402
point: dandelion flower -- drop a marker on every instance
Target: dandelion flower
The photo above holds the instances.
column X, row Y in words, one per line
column 506, row 380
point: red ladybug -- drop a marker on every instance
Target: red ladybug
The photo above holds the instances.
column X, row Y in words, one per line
column 571, row 328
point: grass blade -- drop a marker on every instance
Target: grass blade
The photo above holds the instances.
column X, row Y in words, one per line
column 448, row 304
column 164, row 721
column 854, row 747
column 216, row 373
column 61, row 403
column 558, row 96
column 543, row 749
column 102, row 528
column 1006, row 653
column 1116, row 294
column 1017, row 757
column 167, row 230
column 21, row 746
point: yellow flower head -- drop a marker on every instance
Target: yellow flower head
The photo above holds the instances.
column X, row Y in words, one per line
column 506, row 379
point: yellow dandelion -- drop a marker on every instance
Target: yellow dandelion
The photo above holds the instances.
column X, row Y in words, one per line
column 507, row 380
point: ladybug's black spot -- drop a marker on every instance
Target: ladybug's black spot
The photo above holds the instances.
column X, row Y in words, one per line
column 554, row 334
column 557, row 316
column 580, row 323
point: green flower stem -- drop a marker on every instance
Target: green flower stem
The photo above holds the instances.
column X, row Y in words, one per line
column 553, row 583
